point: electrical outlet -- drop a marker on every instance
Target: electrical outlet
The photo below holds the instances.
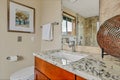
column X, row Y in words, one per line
column 19, row 38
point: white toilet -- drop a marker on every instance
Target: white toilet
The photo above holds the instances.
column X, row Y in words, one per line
column 24, row 74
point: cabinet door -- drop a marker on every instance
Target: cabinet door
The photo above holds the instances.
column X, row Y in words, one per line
column 40, row 76
column 52, row 71
column 80, row 78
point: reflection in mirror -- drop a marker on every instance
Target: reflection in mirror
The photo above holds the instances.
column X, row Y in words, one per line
column 80, row 22
column 68, row 25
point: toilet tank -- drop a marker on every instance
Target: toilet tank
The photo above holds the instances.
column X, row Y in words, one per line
column 23, row 74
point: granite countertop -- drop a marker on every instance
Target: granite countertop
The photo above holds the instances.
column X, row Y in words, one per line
column 91, row 67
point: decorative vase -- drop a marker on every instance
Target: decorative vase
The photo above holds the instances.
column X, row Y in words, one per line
column 108, row 36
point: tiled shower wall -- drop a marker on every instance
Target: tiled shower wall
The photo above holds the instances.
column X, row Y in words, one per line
column 87, row 30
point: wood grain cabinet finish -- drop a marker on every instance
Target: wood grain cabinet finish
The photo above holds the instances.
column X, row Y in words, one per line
column 40, row 76
column 80, row 78
column 52, row 72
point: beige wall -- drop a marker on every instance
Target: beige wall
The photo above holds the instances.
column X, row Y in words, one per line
column 51, row 12
column 46, row 11
column 108, row 9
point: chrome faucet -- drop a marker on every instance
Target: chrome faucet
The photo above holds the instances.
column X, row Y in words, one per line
column 72, row 44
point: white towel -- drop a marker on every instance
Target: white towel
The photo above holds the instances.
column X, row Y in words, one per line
column 47, row 32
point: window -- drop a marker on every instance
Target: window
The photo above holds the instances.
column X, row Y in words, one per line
column 68, row 25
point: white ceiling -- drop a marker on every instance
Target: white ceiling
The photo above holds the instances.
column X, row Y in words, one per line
column 85, row 8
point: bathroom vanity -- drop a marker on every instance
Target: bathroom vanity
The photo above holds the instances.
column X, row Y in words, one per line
column 47, row 71
column 57, row 66
column 66, row 65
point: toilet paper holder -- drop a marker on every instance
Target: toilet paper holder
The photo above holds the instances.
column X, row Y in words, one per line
column 12, row 58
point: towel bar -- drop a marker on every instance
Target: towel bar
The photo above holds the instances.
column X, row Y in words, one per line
column 54, row 23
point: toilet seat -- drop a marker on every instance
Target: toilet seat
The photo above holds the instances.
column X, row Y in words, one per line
column 24, row 74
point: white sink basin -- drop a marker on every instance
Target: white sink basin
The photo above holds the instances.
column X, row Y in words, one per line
column 69, row 56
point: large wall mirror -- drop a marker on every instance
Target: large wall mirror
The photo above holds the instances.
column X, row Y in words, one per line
column 80, row 22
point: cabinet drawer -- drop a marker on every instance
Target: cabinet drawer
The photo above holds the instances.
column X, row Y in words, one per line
column 51, row 71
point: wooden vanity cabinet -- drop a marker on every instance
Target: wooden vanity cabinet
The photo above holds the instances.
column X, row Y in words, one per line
column 51, row 72
column 80, row 78
column 40, row 76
